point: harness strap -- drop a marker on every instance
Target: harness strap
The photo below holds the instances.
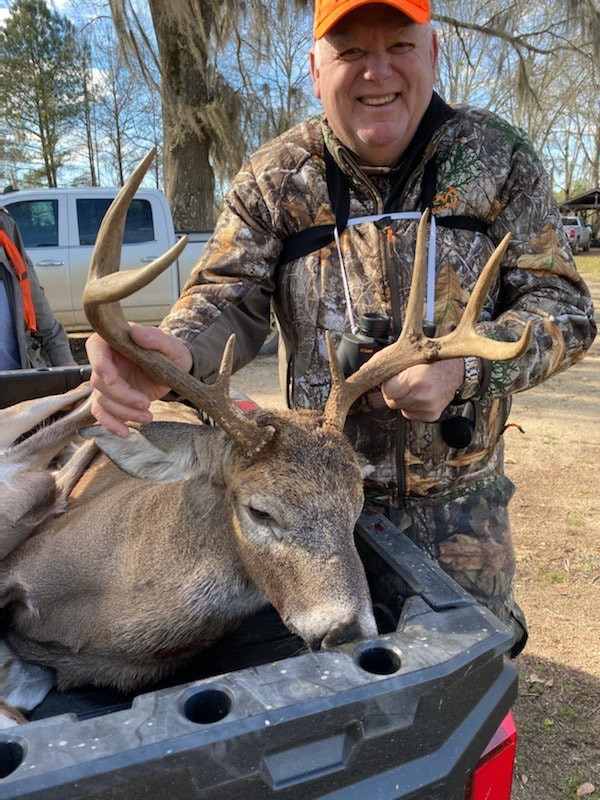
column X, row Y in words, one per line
column 339, row 191
column 302, row 243
column 16, row 259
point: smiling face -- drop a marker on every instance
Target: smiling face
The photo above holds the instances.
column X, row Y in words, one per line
column 374, row 74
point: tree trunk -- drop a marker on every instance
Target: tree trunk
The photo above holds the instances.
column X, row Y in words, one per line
column 87, row 119
column 187, row 172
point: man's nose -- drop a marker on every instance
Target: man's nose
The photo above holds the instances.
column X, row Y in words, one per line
column 378, row 67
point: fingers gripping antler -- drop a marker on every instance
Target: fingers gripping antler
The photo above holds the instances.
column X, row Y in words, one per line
column 413, row 347
column 104, row 289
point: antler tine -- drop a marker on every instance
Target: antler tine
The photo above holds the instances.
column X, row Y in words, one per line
column 105, row 288
column 412, row 347
column 413, row 316
column 464, row 339
column 104, row 275
column 390, row 361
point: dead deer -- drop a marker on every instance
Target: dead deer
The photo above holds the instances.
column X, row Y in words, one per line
column 189, row 529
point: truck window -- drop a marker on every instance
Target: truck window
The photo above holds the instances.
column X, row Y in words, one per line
column 138, row 227
column 569, row 221
column 37, row 221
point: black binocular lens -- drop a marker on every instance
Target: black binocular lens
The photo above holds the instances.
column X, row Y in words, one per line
column 375, row 325
column 458, row 431
column 355, row 349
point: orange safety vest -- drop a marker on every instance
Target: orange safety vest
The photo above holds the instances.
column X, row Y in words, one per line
column 14, row 254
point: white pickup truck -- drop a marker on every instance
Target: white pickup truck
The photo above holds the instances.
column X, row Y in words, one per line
column 578, row 233
column 59, row 228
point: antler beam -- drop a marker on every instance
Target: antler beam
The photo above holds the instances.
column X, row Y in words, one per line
column 412, row 347
column 104, row 289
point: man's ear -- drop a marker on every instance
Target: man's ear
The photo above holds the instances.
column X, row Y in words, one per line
column 435, row 50
column 314, row 71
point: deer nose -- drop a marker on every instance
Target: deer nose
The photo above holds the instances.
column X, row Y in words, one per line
column 342, row 632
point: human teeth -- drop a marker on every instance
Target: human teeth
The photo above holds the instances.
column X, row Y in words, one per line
column 378, row 101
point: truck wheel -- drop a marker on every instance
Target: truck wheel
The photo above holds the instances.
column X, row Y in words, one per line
column 587, row 245
column 575, row 247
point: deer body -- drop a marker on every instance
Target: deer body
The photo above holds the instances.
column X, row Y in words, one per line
column 136, row 577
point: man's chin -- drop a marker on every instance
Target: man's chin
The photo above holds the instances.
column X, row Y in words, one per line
column 380, row 151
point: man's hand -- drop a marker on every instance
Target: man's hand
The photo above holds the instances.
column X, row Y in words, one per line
column 421, row 393
column 122, row 391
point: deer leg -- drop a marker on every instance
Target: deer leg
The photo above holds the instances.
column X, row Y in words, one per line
column 23, row 417
column 22, row 686
column 24, row 503
column 68, row 476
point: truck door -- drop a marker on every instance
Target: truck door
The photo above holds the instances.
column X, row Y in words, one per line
column 44, row 228
column 144, row 241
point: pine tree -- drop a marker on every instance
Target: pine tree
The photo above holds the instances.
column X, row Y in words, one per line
column 40, row 88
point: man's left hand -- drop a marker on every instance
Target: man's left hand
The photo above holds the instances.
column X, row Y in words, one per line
column 421, row 393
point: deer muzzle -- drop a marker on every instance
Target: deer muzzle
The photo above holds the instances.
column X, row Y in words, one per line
column 345, row 632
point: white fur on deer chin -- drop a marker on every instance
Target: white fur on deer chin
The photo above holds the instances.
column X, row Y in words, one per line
column 7, row 471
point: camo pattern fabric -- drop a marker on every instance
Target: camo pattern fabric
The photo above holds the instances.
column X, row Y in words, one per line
column 485, row 169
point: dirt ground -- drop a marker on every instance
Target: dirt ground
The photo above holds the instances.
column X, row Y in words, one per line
column 556, row 529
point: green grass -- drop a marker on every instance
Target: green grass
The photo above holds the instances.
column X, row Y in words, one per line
column 572, row 783
column 558, row 577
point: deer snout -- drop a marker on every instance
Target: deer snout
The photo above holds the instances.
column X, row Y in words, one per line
column 343, row 633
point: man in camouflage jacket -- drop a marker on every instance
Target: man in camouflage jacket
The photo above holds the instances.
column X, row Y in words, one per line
column 482, row 179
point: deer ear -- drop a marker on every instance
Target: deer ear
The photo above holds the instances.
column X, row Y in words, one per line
column 140, row 458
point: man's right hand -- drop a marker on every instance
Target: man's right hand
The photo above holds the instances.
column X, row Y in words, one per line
column 122, row 391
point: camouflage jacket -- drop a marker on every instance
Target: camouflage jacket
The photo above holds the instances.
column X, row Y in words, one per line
column 484, row 169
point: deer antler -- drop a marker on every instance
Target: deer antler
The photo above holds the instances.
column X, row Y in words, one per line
column 413, row 347
column 104, row 289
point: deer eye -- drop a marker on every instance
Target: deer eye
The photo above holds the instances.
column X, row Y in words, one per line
column 259, row 516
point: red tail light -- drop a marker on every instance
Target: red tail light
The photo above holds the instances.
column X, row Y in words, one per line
column 492, row 777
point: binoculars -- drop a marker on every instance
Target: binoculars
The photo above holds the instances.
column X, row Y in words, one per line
column 373, row 334
column 355, row 349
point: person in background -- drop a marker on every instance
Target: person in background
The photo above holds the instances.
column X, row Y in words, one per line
column 322, row 222
column 30, row 336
